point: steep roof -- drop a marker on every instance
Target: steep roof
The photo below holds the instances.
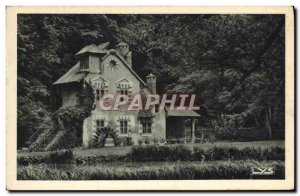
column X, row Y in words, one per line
column 74, row 76
column 101, row 49
column 114, row 52
column 71, row 76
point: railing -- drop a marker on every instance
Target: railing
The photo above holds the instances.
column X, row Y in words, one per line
column 31, row 137
column 46, row 142
column 41, row 144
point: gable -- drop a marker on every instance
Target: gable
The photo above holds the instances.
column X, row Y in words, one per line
column 124, row 80
column 124, row 84
column 100, row 82
column 113, row 55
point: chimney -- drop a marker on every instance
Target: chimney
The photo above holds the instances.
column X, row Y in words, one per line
column 151, row 83
column 128, row 59
column 123, row 49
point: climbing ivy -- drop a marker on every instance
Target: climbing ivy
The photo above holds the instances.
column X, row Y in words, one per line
column 101, row 135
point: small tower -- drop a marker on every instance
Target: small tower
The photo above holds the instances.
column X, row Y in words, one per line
column 151, row 83
column 122, row 48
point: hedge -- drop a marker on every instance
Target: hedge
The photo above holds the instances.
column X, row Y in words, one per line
column 183, row 153
column 168, row 171
column 54, row 157
column 162, row 154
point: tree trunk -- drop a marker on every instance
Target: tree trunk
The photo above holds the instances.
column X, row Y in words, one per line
column 269, row 120
column 256, row 120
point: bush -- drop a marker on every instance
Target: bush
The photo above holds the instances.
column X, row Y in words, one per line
column 140, row 142
column 147, row 141
column 232, row 153
column 199, row 154
column 171, row 141
column 126, row 141
column 160, row 153
column 61, row 157
column 90, row 160
column 162, row 140
column 27, row 160
column 54, row 157
column 155, row 141
column 226, row 126
column 275, row 153
column 197, row 140
column 183, row 153
column 175, row 141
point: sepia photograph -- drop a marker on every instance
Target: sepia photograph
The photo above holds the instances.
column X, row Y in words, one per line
column 161, row 97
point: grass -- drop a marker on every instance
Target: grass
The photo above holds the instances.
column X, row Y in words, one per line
column 150, row 171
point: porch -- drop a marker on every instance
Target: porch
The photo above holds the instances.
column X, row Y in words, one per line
column 181, row 124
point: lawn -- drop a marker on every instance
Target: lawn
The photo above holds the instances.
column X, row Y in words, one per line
column 123, row 150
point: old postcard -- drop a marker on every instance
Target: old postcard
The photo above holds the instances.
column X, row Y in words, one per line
column 150, row 98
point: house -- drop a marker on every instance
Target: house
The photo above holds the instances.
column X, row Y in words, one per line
column 109, row 71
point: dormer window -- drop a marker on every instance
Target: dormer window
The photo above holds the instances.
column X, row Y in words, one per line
column 100, row 86
column 124, row 88
column 84, row 63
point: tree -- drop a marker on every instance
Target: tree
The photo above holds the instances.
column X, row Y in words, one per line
column 234, row 63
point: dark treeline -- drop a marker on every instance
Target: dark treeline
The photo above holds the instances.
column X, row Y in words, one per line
column 234, row 63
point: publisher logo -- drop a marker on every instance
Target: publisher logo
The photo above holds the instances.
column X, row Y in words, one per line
column 263, row 171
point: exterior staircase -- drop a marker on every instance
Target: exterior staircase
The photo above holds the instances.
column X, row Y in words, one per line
column 55, row 141
column 41, row 139
column 48, row 140
column 33, row 137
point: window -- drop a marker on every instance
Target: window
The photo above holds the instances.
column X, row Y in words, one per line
column 99, row 124
column 99, row 94
column 123, row 92
column 84, row 63
column 123, row 126
column 124, row 88
column 147, row 125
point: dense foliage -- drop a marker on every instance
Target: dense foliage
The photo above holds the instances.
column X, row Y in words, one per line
column 235, row 63
column 226, row 126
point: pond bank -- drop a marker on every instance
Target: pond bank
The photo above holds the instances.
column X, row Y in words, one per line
column 150, row 171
